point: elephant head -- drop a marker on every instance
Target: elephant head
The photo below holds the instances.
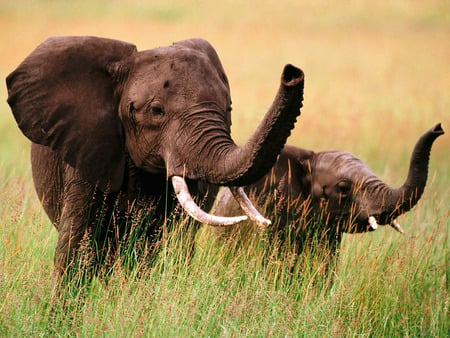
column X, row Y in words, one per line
column 96, row 102
column 339, row 188
column 348, row 189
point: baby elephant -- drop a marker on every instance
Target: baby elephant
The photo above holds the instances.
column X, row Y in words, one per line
column 328, row 193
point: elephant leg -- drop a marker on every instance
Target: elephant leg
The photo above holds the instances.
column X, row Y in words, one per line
column 65, row 197
column 48, row 174
column 74, row 224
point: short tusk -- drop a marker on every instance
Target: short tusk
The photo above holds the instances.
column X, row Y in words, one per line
column 396, row 225
column 186, row 201
column 248, row 207
column 373, row 223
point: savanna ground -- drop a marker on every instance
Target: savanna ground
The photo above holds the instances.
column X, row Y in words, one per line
column 377, row 77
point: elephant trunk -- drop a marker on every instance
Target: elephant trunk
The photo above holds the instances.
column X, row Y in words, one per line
column 400, row 200
column 214, row 157
column 205, row 150
column 237, row 166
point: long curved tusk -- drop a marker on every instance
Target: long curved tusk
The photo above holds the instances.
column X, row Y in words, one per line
column 396, row 225
column 373, row 223
column 248, row 207
column 186, row 201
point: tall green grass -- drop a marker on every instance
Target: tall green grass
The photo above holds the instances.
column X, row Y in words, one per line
column 384, row 284
column 376, row 79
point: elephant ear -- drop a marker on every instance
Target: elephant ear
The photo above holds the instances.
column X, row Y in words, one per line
column 301, row 161
column 301, row 156
column 62, row 96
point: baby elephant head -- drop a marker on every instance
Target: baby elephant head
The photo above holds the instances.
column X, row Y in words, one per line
column 343, row 188
column 337, row 189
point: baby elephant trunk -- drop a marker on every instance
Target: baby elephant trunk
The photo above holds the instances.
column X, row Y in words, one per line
column 395, row 202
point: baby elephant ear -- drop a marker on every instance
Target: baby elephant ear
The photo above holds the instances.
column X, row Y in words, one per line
column 62, row 96
column 301, row 157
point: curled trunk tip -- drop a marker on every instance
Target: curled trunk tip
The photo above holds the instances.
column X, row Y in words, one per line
column 292, row 76
column 437, row 129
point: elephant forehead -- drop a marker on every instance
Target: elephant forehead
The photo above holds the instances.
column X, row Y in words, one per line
column 175, row 60
column 188, row 72
column 325, row 177
column 338, row 164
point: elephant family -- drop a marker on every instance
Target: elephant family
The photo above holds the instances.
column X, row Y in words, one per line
column 328, row 193
column 110, row 126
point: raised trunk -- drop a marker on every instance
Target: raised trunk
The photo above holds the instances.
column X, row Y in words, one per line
column 399, row 201
column 205, row 150
column 236, row 166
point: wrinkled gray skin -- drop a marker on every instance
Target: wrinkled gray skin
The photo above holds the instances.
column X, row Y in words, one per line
column 328, row 193
column 110, row 126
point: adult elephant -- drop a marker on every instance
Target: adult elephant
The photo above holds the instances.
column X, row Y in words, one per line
column 110, row 125
column 322, row 195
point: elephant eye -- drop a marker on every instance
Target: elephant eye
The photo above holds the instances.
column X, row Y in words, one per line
column 324, row 191
column 156, row 108
column 344, row 188
column 131, row 111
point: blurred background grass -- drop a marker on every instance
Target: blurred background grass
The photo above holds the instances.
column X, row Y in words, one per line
column 377, row 77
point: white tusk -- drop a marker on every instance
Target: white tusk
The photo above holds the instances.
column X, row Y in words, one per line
column 373, row 223
column 186, row 201
column 396, row 225
column 248, row 207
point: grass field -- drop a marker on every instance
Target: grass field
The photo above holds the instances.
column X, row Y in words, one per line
column 377, row 77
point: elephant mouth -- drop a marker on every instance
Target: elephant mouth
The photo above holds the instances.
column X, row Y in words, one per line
column 372, row 223
column 187, row 202
column 353, row 220
column 361, row 223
